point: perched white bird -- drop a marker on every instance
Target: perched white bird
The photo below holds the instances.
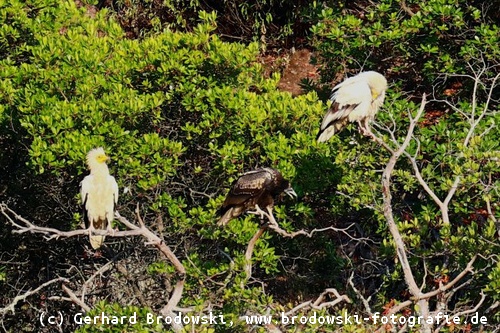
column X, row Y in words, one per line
column 357, row 98
column 99, row 192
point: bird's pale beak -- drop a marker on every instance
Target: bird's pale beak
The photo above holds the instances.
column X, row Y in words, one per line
column 290, row 192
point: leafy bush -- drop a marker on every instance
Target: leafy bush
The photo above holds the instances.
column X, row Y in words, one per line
column 182, row 114
column 273, row 22
column 450, row 51
column 414, row 40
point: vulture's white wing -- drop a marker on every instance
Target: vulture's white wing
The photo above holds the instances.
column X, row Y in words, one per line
column 85, row 186
column 114, row 187
column 112, row 197
column 348, row 100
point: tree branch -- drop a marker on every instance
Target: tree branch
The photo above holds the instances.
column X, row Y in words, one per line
column 22, row 297
column 51, row 233
column 249, row 252
column 387, row 209
column 318, row 304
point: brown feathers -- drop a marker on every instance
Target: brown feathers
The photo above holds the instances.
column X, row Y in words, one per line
column 257, row 187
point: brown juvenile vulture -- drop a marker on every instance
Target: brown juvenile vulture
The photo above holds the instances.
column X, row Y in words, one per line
column 357, row 98
column 254, row 190
column 99, row 193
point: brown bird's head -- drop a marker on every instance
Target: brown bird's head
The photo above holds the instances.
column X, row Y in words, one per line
column 281, row 185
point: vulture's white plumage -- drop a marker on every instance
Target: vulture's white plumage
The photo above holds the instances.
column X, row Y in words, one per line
column 357, row 98
column 99, row 192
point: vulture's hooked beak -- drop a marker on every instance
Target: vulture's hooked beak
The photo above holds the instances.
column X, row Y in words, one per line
column 291, row 193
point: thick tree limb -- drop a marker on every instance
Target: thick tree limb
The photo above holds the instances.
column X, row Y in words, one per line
column 393, row 228
column 152, row 239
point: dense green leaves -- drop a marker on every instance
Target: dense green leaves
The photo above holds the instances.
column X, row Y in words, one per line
column 182, row 114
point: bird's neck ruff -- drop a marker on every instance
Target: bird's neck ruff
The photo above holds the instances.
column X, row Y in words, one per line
column 98, row 169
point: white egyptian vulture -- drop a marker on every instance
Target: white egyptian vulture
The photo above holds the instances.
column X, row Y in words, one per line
column 99, row 192
column 357, row 98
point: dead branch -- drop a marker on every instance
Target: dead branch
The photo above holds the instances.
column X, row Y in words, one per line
column 18, row 298
column 52, row 233
column 249, row 252
column 273, row 225
column 474, row 123
column 134, row 230
column 441, row 289
column 366, row 302
column 56, row 233
column 87, row 283
column 75, row 299
column 463, row 313
column 393, row 228
column 167, row 310
column 318, row 304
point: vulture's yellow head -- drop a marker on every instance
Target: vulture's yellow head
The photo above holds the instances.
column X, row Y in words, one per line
column 96, row 157
column 377, row 83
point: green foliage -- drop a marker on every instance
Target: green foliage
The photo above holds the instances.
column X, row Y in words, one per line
column 183, row 114
column 430, row 37
column 449, row 50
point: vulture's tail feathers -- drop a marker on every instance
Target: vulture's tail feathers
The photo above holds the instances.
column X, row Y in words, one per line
column 96, row 241
column 228, row 215
column 331, row 129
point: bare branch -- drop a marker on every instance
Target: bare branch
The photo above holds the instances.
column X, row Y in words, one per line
column 18, row 298
column 387, row 208
column 318, row 304
column 273, row 225
column 52, row 233
column 249, row 252
column 75, row 298
column 152, row 238
column 449, row 285
column 474, row 123
column 360, row 296
column 167, row 310
column 87, row 283
column 465, row 312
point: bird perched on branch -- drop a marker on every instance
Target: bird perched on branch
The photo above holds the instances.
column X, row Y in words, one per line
column 99, row 192
column 254, row 190
column 357, row 98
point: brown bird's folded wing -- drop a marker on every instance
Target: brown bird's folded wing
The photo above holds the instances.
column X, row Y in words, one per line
column 244, row 194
